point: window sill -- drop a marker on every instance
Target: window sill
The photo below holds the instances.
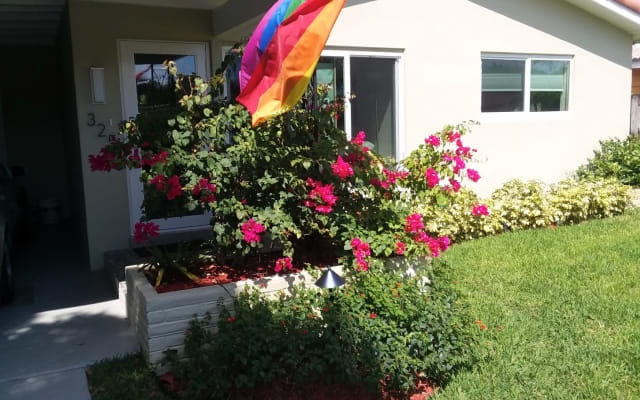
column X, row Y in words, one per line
column 516, row 117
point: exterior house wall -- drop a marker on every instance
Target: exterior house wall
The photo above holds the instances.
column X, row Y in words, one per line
column 95, row 30
column 442, row 48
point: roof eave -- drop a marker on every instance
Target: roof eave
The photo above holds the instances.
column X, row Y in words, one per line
column 613, row 12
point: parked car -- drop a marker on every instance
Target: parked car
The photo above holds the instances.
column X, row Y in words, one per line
column 9, row 214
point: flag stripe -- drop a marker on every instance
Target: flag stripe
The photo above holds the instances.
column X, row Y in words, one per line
column 284, row 41
column 252, row 52
column 279, row 15
column 297, row 68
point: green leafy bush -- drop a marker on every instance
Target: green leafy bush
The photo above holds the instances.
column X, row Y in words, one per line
column 619, row 159
column 457, row 220
column 522, row 205
column 386, row 328
column 575, row 201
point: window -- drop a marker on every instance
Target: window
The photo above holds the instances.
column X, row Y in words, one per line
column 527, row 84
column 369, row 83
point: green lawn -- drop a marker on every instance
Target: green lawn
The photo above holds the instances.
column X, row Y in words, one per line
column 568, row 305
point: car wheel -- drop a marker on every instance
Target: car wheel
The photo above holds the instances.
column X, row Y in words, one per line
column 6, row 279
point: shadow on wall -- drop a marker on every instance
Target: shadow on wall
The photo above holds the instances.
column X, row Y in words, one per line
column 236, row 12
column 551, row 16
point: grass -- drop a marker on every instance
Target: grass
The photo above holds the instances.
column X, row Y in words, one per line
column 123, row 378
column 562, row 311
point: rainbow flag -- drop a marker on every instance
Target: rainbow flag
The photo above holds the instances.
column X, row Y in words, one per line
column 282, row 55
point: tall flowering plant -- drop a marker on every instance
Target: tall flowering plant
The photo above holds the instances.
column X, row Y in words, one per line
column 295, row 179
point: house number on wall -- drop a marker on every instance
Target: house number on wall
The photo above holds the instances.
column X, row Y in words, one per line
column 92, row 122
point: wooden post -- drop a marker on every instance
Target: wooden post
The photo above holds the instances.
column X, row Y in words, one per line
column 635, row 115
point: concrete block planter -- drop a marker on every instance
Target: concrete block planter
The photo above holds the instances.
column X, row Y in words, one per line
column 160, row 320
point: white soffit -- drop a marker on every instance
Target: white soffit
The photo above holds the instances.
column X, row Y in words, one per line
column 193, row 4
column 614, row 13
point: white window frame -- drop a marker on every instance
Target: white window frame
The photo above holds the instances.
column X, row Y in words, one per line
column 126, row 51
column 398, row 56
column 527, row 114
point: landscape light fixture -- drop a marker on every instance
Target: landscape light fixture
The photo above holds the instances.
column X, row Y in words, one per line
column 330, row 280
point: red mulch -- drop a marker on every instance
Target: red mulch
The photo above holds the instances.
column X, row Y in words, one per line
column 254, row 267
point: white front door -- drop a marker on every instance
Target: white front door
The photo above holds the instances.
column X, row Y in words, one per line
column 145, row 83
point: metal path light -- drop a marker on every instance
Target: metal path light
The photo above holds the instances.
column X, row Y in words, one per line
column 330, row 280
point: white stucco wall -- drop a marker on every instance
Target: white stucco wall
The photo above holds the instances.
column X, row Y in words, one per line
column 442, row 44
column 95, row 30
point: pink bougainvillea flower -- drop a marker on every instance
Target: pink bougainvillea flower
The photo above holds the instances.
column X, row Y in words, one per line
column 231, row 319
column 360, row 251
column 158, row 181
column 175, row 189
column 283, row 263
column 372, row 315
column 444, row 243
column 473, row 175
column 324, row 209
column 359, row 139
column 205, row 190
column 354, row 158
column 143, row 231
column 433, row 141
column 455, row 185
column 104, row 161
column 252, row 230
column 243, row 201
column 460, row 165
column 421, row 237
column 342, row 169
column 480, row 210
column 446, row 157
column 414, row 223
column 400, row 248
column 432, row 178
column 453, row 136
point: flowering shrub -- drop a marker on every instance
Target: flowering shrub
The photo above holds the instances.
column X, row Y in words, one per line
column 384, row 329
column 295, row 179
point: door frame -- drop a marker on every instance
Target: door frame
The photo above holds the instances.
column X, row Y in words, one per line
column 126, row 50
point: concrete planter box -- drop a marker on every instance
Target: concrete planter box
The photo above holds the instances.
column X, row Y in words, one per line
column 161, row 320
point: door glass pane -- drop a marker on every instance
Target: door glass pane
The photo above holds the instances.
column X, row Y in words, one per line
column 330, row 72
column 549, row 85
column 154, row 85
column 502, row 85
column 157, row 101
column 373, row 108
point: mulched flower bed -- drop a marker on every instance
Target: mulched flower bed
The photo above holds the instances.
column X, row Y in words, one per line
column 252, row 268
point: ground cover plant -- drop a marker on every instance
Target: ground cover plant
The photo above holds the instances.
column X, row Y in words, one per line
column 618, row 159
column 387, row 331
column 558, row 312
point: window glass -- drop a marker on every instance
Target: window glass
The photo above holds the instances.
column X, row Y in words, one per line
column 502, row 85
column 373, row 88
column 549, row 85
column 330, row 71
column 154, row 85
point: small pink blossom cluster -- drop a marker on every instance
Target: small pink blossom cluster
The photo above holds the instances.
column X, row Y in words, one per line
column 342, row 169
column 205, row 190
column 172, row 185
column 252, row 230
column 436, row 246
column 400, row 248
column 148, row 159
column 432, row 178
column 480, row 210
column 454, row 185
column 321, row 193
column 359, row 140
column 414, row 223
column 144, row 231
column 360, row 251
column 104, row 161
column 433, row 141
column 473, row 175
column 283, row 263
column 392, row 178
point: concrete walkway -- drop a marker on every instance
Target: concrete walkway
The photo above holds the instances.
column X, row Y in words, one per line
column 64, row 318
